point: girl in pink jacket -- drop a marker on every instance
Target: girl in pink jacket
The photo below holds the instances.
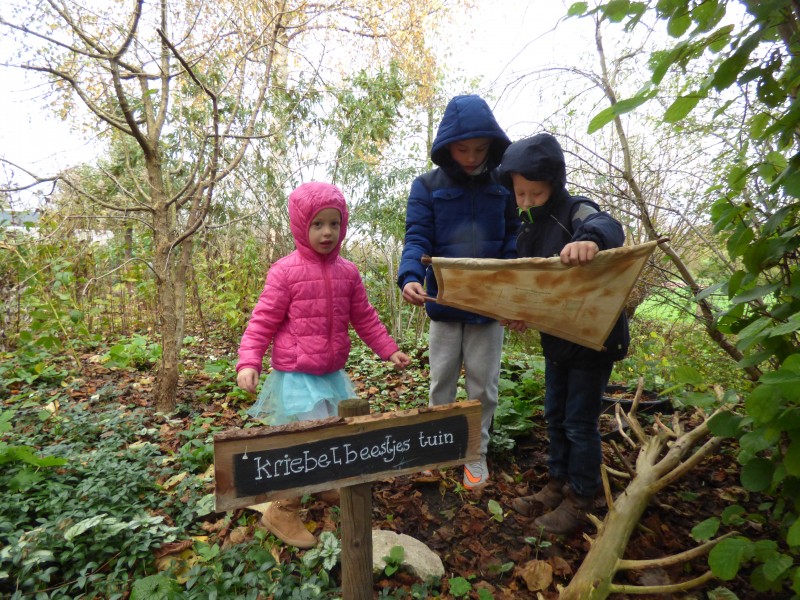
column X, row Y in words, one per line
column 309, row 301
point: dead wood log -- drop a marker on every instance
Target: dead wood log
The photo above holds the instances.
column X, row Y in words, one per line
column 665, row 455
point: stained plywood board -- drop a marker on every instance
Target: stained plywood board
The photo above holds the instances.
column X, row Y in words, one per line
column 576, row 303
column 259, row 464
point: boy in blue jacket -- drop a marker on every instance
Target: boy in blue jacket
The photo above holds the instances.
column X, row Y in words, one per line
column 460, row 210
column 555, row 223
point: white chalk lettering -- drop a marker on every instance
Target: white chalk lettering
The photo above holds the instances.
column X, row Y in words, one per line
column 442, row 439
column 352, row 455
column 260, row 468
column 302, row 461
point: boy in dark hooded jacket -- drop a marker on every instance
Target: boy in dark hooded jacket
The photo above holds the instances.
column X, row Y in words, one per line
column 460, row 210
column 555, row 223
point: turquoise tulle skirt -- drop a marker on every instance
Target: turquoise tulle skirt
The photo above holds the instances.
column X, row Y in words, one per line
column 286, row 397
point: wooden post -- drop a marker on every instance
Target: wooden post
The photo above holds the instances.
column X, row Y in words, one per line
column 356, row 525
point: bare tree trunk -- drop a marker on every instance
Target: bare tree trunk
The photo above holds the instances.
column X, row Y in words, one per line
column 166, row 308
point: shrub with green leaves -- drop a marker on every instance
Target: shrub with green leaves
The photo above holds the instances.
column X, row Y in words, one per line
column 520, row 398
column 738, row 60
column 89, row 524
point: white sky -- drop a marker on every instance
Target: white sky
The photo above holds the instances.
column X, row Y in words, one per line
column 499, row 39
column 504, row 38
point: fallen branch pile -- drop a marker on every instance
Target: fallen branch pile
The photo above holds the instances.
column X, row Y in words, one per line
column 665, row 455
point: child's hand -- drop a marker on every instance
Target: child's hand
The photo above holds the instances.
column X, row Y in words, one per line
column 579, row 253
column 514, row 325
column 414, row 293
column 247, row 379
column 400, row 360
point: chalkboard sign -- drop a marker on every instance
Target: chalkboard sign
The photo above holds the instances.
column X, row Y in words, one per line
column 252, row 466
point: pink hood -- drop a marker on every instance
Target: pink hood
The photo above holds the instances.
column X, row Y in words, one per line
column 304, row 204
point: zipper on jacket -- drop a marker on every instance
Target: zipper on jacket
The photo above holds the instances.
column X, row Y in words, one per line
column 471, row 185
column 326, row 276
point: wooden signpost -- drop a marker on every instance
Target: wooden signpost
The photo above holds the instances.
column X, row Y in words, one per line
column 267, row 463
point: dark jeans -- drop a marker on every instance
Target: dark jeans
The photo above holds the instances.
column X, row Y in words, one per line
column 572, row 405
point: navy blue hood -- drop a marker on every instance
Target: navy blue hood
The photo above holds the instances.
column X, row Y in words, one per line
column 467, row 117
column 537, row 158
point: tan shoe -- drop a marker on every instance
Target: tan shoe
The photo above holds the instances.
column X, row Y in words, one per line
column 546, row 499
column 328, row 496
column 282, row 519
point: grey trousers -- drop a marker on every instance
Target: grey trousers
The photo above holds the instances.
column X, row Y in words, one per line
column 478, row 348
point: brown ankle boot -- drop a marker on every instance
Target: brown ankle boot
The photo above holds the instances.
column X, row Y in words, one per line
column 328, row 496
column 547, row 498
column 567, row 517
column 282, row 519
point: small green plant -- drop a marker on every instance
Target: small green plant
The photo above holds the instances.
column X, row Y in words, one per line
column 326, row 553
column 537, row 543
column 520, row 398
column 459, row 587
column 496, row 510
column 394, row 560
column 137, row 352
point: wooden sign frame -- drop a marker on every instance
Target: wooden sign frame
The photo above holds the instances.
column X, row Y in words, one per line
column 267, row 463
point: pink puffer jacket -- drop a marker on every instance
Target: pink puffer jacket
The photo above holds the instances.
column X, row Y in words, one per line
column 310, row 299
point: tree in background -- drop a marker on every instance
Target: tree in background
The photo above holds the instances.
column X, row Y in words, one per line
column 199, row 88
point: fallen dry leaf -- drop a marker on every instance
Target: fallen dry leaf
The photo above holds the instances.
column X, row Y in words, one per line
column 538, row 575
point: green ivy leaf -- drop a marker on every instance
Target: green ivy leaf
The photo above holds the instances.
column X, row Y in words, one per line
column 705, row 530
column 757, row 474
column 793, row 535
column 725, row 424
column 83, row 526
column 727, row 557
column 155, row 587
column 732, row 515
column 776, row 566
column 791, row 460
column 760, row 404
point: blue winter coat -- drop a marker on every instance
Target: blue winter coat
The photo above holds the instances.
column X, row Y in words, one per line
column 563, row 219
column 456, row 215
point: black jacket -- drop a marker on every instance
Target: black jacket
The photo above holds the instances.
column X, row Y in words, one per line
column 563, row 219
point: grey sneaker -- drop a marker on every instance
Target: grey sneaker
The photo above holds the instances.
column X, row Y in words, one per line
column 476, row 474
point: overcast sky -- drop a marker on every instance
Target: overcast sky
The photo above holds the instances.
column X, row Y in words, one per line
column 499, row 40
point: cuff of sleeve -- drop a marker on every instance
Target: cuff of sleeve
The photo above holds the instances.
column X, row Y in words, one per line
column 241, row 366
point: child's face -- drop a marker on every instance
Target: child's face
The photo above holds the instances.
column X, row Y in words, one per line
column 530, row 194
column 471, row 153
column 323, row 233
